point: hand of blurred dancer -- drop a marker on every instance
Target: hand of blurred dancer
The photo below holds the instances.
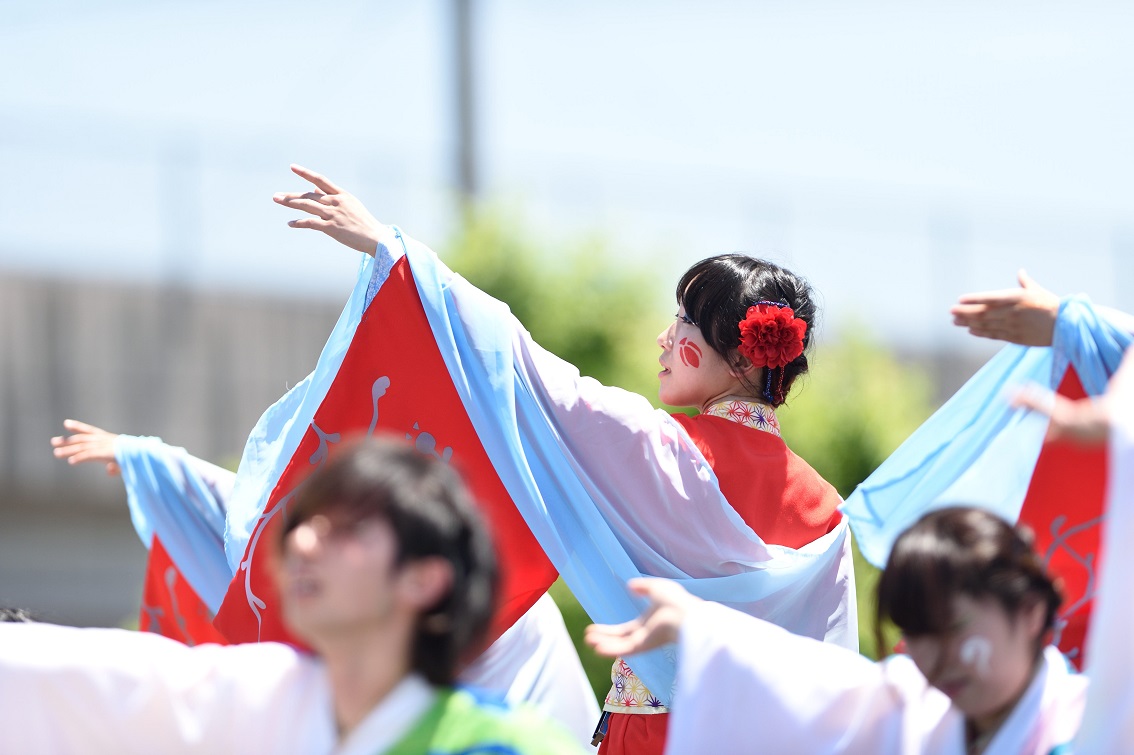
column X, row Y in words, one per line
column 1024, row 315
column 86, row 443
column 658, row 625
column 1085, row 421
column 336, row 212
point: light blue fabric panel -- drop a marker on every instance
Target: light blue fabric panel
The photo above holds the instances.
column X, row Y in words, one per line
column 277, row 434
column 976, row 449
column 168, row 499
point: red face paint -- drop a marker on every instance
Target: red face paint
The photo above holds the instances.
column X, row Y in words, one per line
column 689, row 352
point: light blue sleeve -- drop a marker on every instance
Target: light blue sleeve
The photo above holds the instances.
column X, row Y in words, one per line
column 976, row 449
column 181, row 500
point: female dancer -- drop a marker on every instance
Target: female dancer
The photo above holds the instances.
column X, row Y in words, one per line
column 655, row 494
column 975, row 606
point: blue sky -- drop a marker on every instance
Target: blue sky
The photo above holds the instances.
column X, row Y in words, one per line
column 892, row 152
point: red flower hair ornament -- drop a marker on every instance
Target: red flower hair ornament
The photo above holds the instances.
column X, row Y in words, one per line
column 771, row 335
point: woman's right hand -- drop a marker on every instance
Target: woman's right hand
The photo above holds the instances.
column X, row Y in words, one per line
column 1024, row 315
column 336, row 212
column 86, row 443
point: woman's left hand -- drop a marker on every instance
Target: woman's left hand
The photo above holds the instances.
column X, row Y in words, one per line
column 336, row 212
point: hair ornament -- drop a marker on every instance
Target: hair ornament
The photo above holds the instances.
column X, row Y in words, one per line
column 771, row 335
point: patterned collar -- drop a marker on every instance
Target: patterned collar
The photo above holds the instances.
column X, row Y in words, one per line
column 750, row 413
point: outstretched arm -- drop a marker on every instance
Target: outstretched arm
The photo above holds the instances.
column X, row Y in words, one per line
column 738, row 674
column 1085, row 421
column 658, row 625
column 1024, row 315
column 334, row 211
column 86, row 443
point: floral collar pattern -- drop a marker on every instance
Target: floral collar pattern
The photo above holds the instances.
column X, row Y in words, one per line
column 750, row 413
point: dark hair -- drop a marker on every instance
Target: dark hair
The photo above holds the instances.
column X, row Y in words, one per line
column 717, row 293
column 432, row 514
column 961, row 551
column 15, row 615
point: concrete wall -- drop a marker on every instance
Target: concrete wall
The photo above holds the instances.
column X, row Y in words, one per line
column 195, row 368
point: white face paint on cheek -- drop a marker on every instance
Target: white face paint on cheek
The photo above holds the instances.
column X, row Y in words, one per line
column 976, row 653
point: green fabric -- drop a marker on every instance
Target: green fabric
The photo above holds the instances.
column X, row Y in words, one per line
column 457, row 724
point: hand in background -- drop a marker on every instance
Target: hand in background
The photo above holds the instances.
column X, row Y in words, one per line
column 86, row 443
column 658, row 625
column 1086, row 420
column 1024, row 315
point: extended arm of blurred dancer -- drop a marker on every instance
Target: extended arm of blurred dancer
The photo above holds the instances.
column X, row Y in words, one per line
column 658, row 625
column 1085, row 421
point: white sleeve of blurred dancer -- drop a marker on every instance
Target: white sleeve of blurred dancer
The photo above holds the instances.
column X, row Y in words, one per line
column 744, row 685
column 1108, row 720
column 66, row 690
column 535, row 662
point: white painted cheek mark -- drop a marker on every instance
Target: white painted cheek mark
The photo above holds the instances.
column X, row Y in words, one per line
column 976, row 652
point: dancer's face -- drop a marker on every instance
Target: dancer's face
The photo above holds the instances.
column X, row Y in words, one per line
column 985, row 660
column 693, row 374
column 334, row 576
column 341, row 579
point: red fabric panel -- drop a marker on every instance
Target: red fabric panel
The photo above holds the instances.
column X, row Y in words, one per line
column 777, row 493
column 422, row 405
column 635, row 734
column 170, row 607
column 1064, row 507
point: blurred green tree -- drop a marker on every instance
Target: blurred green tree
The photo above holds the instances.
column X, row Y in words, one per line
column 600, row 316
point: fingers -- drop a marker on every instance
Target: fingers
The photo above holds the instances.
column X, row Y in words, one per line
column 86, row 443
column 1085, row 421
column 1036, row 398
column 623, row 639
column 321, row 182
column 1003, row 297
column 653, row 588
column 113, row 470
column 310, row 203
column 1025, row 280
column 80, row 453
column 315, row 224
column 76, row 426
column 64, row 444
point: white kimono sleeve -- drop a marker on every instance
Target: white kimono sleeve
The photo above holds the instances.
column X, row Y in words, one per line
column 745, row 686
column 1108, row 720
column 66, row 690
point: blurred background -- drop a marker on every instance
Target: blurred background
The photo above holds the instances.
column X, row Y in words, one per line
column 571, row 159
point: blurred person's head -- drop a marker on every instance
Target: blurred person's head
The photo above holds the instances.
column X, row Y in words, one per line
column 974, row 604
column 384, row 542
column 704, row 348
